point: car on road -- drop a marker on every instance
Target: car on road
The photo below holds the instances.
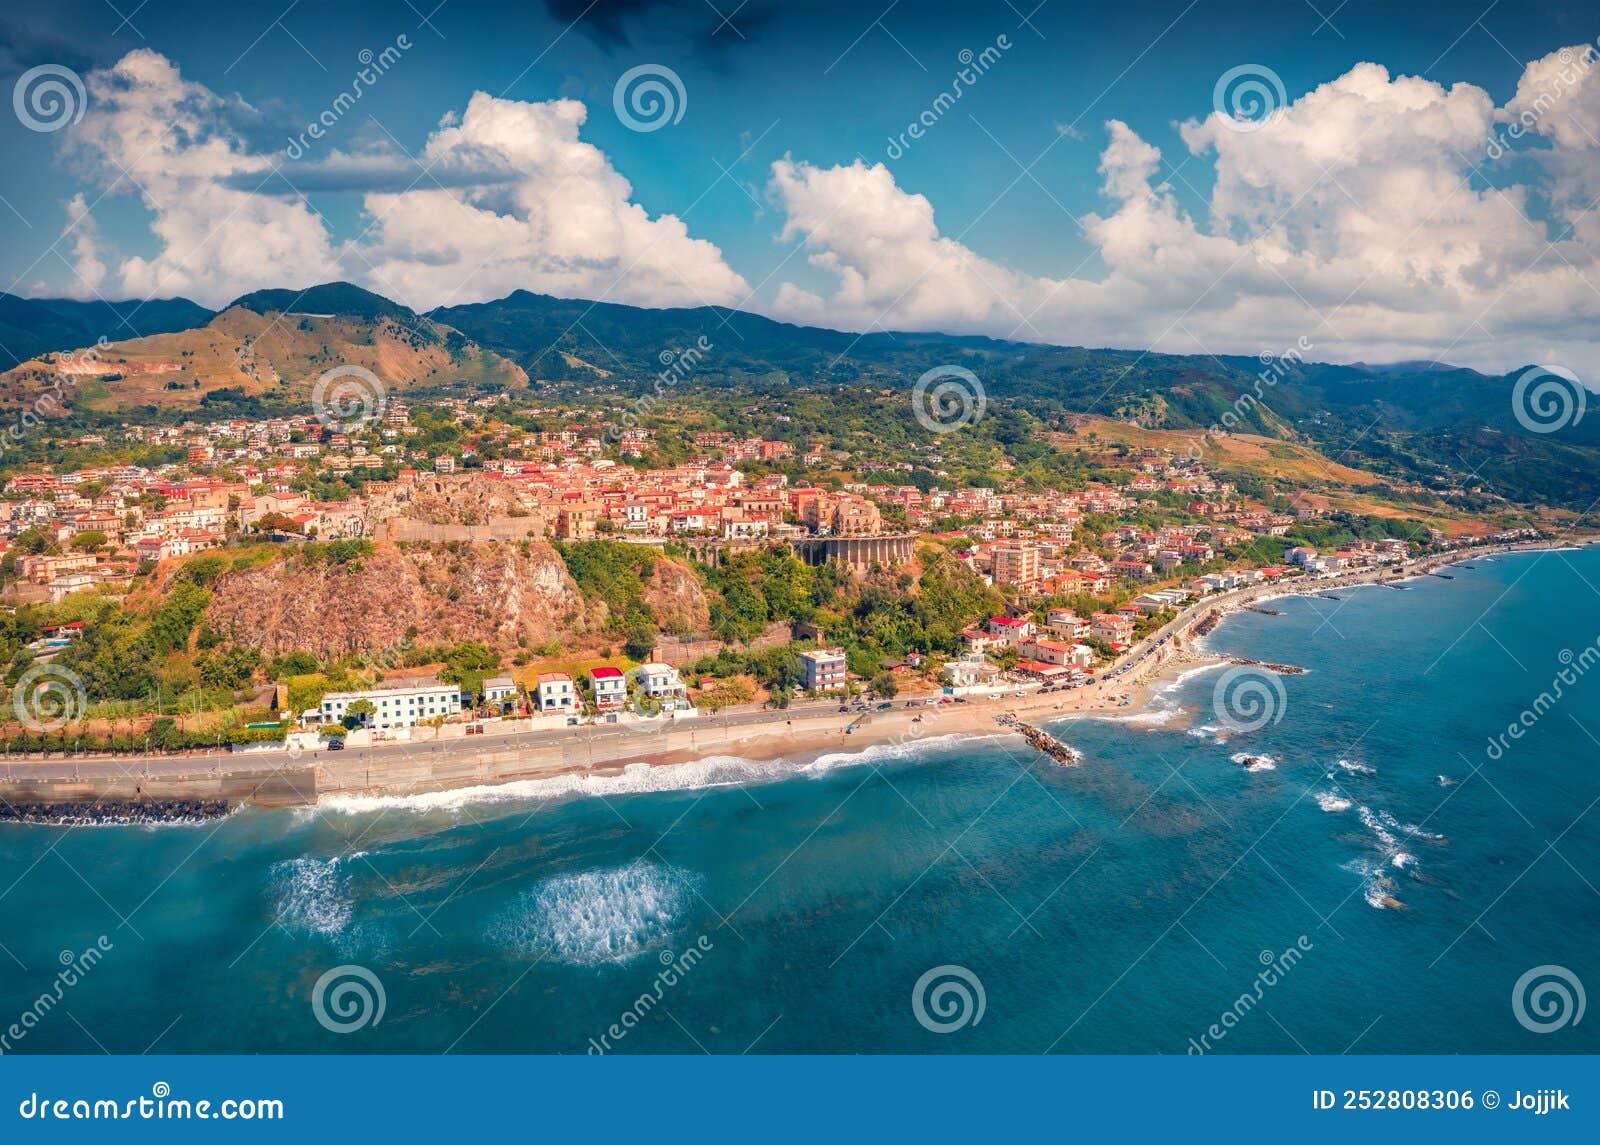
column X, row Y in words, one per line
column 336, row 745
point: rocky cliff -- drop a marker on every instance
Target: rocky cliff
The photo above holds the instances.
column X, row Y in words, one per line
column 507, row 595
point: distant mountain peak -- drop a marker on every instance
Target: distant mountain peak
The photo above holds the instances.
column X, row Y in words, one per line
column 344, row 299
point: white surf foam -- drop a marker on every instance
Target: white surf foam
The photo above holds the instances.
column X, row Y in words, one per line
column 312, row 895
column 1331, row 803
column 1253, row 762
column 638, row 779
column 594, row 917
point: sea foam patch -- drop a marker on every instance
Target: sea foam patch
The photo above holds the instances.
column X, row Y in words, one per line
column 312, row 895
column 594, row 917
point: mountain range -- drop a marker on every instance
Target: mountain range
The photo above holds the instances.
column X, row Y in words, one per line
column 1424, row 422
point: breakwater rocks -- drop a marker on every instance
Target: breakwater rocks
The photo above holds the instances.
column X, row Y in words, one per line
column 115, row 812
column 1280, row 669
column 1041, row 741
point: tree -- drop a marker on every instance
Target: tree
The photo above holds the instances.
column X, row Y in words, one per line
column 356, row 714
column 884, row 686
column 641, row 638
column 89, row 541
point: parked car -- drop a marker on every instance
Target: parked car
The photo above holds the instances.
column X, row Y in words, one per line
column 336, row 745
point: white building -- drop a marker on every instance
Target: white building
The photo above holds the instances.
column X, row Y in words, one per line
column 610, row 687
column 399, row 705
column 662, row 682
column 554, row 692
column 824, row 668
column 500, row 692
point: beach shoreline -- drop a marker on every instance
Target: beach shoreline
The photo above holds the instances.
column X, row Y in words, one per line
column 799, row 734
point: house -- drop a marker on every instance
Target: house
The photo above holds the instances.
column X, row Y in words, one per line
column 1055, row 652
column 402, row 704
column 1010, row 630
column 500, row 692
column 824, row 669
column 553, row 692
column 1111, row 627
column 970, row 672
column 610, row 687
column 662, row 683
column 1065, row 623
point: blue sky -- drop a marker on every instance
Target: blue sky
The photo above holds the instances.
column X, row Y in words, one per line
column 997, row 220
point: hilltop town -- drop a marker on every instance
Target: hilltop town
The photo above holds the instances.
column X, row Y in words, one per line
column 456, row 561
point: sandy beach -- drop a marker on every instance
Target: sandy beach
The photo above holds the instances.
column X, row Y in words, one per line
column 120, row 787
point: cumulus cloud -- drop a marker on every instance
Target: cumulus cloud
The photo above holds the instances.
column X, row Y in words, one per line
column 505, row 197
column 176, row 144
column 1369, row 217
column 88, row 267
column 561, row 220
column 1353, row 217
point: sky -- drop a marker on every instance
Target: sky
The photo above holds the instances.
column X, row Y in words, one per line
column 1357, row 181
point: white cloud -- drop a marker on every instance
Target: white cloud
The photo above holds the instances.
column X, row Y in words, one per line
column 88, row 267
column 558, row 219
column 1351, row 218
column 175, row 144
column 514, row 200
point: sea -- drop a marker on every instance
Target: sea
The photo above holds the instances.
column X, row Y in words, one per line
column 1359, row 857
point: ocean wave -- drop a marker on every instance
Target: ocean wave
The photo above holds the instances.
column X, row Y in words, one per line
column 312, row 895
column 1409, row 828
column 639, row 779
column 1377, row 889
column 596, row 917
column 1356, row 768
column 1255, row 762
column 1154, row 717
column 1332, row 803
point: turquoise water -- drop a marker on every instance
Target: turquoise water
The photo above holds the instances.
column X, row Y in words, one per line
column 1121, row 906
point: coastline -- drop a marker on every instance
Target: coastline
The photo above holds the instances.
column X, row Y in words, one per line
column 141, row 789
